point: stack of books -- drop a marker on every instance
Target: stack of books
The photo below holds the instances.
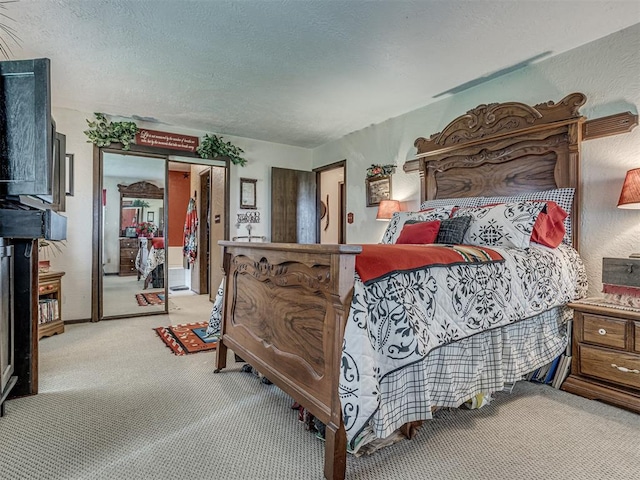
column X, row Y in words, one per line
column 48, row 310
column 558, row 370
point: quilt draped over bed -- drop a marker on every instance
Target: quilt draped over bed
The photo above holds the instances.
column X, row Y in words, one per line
column 397, row 320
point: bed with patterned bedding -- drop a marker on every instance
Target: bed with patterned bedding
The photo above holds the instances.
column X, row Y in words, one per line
column 397, row 320
column 370, row 348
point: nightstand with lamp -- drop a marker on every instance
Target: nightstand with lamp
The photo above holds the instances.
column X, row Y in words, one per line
column 606, row 331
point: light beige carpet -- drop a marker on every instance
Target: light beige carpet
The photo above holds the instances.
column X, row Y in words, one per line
column 113, row 404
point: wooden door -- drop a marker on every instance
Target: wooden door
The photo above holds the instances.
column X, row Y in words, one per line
column 293, row 206
column 204, row 229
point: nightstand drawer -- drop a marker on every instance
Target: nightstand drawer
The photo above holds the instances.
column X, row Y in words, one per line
column 606, row 331
column 615, row 367
column 44, row 288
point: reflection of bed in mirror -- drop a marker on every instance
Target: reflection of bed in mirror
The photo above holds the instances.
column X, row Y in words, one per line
column 150, row 262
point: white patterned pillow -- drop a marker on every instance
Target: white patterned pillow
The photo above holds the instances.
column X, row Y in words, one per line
column 562, row 196
column 503, row 225
column 398, row 220
column 458, row 202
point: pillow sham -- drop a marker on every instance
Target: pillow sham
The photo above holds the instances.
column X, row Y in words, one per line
column 419, row 232
column 458, row 202
column 561, row 196
column 399, row 218
column 453, row 229
column 502, row 225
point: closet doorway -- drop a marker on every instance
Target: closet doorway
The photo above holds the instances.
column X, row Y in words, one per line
column 332, row 198
column 139, row 229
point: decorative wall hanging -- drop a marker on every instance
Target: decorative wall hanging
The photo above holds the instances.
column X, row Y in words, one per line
column 249, row 217
column 327, row 213
column 248, row 193
column 375, row 171
column 170, row 141
column 378, row 189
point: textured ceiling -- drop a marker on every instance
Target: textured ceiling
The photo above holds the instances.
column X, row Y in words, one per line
column 290, row 71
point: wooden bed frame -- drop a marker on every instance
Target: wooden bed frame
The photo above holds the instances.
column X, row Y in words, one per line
column 286, row 305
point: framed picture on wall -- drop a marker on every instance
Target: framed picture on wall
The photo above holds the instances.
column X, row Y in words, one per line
column 378, row 188
column 69, row 174
column 150, row 216
column 248, row 193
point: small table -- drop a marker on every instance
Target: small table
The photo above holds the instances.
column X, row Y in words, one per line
column 50, row 290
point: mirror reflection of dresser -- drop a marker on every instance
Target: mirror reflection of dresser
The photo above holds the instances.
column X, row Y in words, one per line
column 128, row 252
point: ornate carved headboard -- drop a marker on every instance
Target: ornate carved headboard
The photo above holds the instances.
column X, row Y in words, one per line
column 505, row 149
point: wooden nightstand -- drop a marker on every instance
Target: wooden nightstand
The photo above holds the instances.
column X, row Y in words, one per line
column 606, row 354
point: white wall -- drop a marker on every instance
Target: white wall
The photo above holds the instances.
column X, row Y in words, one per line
column 607, row 71
column 75, row 260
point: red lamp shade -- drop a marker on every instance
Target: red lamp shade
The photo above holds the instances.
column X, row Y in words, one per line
column 630, row 195
column 387, row 208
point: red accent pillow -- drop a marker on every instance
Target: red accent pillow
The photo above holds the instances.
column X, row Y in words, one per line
column 422, row 232
column 157, row 242
column 549, row 229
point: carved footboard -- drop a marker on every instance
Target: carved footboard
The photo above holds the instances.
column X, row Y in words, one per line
column 285, row 309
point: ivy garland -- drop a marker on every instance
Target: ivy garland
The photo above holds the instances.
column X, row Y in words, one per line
column 103, row 133
column 212, row 146
column 380, row 170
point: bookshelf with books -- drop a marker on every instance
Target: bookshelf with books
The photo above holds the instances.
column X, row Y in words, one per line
column 50, row 304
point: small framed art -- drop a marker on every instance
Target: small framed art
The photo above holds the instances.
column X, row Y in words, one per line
column 378, row 188
column 69, row 174
column 248, row 193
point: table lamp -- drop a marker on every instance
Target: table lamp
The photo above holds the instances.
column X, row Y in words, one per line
column 387, row 208
column 630, row 195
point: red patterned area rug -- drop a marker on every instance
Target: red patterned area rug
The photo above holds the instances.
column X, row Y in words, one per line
column 145, row 299
column 187, row 338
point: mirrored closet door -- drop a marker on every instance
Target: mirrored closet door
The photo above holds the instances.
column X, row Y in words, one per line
column 133, row 235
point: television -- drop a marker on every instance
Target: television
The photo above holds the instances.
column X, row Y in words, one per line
column 32, row 155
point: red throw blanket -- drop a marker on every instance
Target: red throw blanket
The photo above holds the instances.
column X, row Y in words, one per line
column 377, row 261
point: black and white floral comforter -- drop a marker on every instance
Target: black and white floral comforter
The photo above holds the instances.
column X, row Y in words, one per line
column 395, row 322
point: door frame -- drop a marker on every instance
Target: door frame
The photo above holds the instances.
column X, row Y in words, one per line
column 342, row 228
column 204, row 238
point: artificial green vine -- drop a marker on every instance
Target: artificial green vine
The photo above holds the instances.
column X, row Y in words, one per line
column 103, row 133
column 380, row 170
column 212, row 146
